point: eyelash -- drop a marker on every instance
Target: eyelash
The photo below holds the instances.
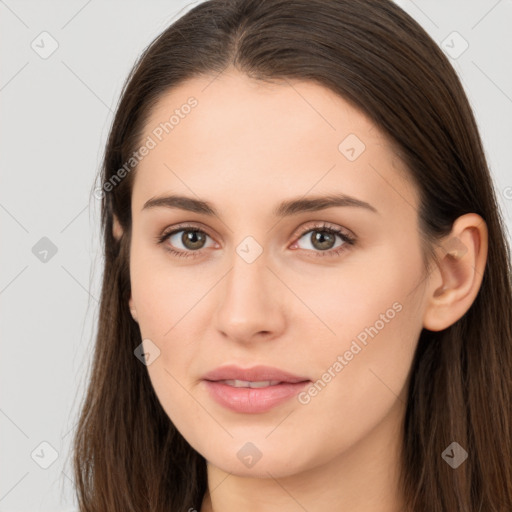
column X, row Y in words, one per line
column 321, row 227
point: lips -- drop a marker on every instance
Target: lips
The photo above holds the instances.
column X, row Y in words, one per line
column 252, row 390
column 256, row 374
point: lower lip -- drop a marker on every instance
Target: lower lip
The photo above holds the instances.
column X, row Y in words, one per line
column 253, row 400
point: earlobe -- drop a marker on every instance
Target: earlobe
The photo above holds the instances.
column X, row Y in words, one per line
column 133, row 311
column 461, row 264
column 117, row 229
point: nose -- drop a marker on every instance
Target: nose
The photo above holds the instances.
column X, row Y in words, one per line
column 251, row 305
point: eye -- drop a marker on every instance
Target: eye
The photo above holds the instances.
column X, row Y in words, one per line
column 322, row 240
column 191, row 238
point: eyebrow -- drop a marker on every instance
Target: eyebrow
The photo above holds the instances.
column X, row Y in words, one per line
column 284, row 209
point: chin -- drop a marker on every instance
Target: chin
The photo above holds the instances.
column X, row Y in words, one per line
column 259, row 459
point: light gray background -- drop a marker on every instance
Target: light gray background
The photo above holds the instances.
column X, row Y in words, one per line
column 56, row 113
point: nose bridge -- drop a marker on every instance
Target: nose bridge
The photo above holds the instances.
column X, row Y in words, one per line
column 246, row 282
column 248, row 302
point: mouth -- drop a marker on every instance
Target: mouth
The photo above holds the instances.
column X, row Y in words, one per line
column 253, row 390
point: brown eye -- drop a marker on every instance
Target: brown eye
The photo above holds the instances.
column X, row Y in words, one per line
column 193, row 239
column 322, row 240
column 184, row 241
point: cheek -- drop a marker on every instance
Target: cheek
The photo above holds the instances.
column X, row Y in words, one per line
column 344, row 302
column 162, row 294
column 361, row 376
column 167, row 301
column 370, row 322
column 166, row 313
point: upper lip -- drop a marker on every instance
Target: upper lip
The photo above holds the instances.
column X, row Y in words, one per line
column 254, row 374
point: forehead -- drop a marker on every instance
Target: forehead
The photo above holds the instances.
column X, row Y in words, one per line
column 263, row 140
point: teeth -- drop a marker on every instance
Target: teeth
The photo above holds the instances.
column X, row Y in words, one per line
column 249, row 384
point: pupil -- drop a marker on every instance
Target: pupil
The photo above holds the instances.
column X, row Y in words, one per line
column 320, row 238
column 192, row 239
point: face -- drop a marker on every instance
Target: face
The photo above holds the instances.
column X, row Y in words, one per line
column 330, row 293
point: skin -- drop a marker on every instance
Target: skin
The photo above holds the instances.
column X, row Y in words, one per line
column 244, row 148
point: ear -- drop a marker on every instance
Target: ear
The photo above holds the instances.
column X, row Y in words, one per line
column 133, row 311
column 117, row 229
column 454, row 285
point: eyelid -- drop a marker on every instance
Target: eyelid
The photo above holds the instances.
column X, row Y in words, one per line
column 320, row 225
column 184, row 226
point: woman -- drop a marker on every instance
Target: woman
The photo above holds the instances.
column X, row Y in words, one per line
column 306, row 301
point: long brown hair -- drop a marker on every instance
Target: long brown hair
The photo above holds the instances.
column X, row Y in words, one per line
column 128, row 456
